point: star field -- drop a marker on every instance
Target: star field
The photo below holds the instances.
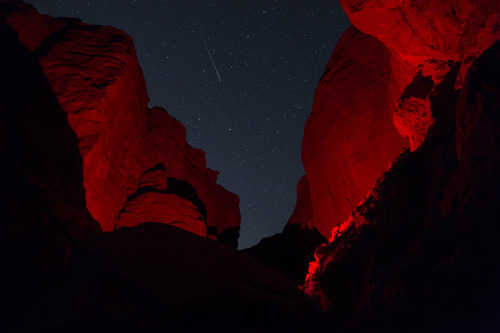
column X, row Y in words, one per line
column 240, row 75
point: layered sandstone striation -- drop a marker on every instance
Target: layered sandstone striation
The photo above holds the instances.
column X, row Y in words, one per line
column 94, row 73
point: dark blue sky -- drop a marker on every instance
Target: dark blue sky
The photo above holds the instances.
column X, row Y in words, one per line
column 269, row 56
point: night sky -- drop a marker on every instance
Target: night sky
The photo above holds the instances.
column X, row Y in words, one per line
column 240, row 75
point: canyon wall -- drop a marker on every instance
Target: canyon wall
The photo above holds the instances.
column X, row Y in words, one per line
column 349, row 139
column 420, row 251
column 137, row 165
column 402, row 159
column 82, row 153
column 373, row 103
column 373, row 99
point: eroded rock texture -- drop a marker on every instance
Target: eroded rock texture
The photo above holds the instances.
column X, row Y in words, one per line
column 426, row 36
column 422, row 33
column 373, row 100
column 78, row 143
column 422, row 252
column 94, row 73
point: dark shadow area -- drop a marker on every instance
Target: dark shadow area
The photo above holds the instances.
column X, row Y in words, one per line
column 289, row 251
column 420, row 87
column 42, row 201
column 228, row 236
column 158, row 278
column 186, row 191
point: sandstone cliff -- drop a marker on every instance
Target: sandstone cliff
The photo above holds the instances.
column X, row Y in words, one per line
column 82, row 153
column 372, row 86
column 420, row 253
column 372, row 101
column 134, row 158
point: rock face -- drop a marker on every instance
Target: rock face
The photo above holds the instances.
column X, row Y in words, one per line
column 370, row 106
column 349, row 139
column 155, row 277
column 419, row 253
column 423, row 34
column 94, row 73
column 78, row 144
column 422, row 252
column 424, row 37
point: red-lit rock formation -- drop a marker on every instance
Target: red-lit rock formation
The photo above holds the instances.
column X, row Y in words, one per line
column 95, row 75
column 425, row 36
column 381, row 85
column 420, row 33
column 421, row 254
column 364, row 97
column 373, row 102
column 75, row 132
column 349, row 139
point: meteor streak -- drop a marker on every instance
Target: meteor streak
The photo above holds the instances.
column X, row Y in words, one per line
column 213, row 63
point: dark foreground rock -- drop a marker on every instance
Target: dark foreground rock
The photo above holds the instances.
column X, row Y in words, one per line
column 155, row 277
column 289, row 251
column 43, row 215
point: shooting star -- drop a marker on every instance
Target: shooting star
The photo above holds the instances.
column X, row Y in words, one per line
column 213, row 63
